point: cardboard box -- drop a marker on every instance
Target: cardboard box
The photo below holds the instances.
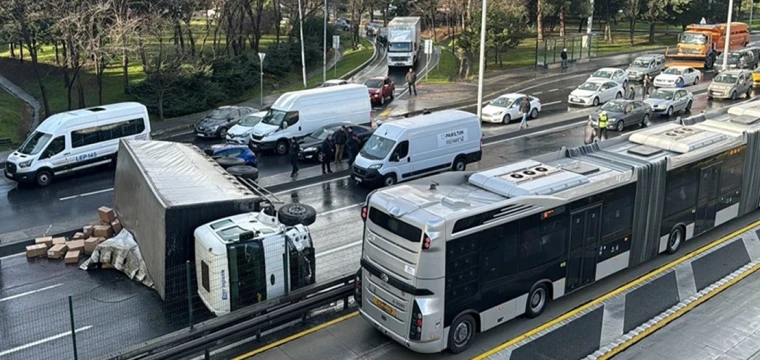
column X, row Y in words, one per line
column 87, row 230
column 47, row 241
column 72, row 257
column 76, row 245
column 57, row 251
column 106, row 214
column 91, row 243
column 59, row 240
column 36, row 250
column 95, row 223
column 106, row 266
column 104, row 231
column 116, row 225
column 78, row 236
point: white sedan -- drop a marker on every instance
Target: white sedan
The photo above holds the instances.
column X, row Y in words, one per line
column 506, row 108
column 615, row 74
column 669, row 77
column 595, row 91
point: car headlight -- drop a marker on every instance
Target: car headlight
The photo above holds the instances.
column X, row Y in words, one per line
column 25, row 164
column 375, row 166
column 310, row 149
column 213, row 128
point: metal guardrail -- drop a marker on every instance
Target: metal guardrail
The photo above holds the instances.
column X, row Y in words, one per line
column 252, row 320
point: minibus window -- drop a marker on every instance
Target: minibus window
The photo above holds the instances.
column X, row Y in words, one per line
column 34, row 143
column 55, row 147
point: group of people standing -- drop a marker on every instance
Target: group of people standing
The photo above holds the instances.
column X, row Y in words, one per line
column 343, row 142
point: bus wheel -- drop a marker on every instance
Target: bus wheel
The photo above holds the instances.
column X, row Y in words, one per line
column 295, row 213
column 537, row 299
column 675, row 239
column 461, row 334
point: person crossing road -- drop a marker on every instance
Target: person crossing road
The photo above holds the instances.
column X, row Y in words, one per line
column 603, row 125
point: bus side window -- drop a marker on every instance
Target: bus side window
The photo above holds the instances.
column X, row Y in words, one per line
column 498, row 249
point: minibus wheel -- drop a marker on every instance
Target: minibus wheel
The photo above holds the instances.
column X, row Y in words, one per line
column 43, row 178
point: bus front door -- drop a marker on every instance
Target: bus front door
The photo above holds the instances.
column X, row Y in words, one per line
column 583, row 242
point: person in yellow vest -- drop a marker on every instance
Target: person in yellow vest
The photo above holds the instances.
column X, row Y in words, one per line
column 602, row 125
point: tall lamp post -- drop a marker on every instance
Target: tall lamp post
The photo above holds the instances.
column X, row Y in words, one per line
column 261, row 79
column 303, row 56
column 324, row 47
column 482, row 67
column 727, row 44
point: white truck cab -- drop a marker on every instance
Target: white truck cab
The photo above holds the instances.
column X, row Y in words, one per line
column 403, row 41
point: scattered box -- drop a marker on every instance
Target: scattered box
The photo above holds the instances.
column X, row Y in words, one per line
column 91, row 243
column 106, row 214
column 78, row 236
column 95, row 223
column 106, row 266
column 57, row 251
column 104, row 231
column 59, row 240
column 116, row 225
column 36, row 250
column 87, row 230
column 47, row 241
column 72, row 257
column 76, row 245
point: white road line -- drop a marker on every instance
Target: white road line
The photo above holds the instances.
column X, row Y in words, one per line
column 553, row 90
column 30, row 292
column 543, row 83
column 340, row 209
column 538, row 93
column 11, row 256
column 85, row 194
column 339, row 248
column 538, row 133
column 38, row 342
column 552, row 103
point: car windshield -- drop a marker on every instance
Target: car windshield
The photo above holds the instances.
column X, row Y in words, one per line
column 693, row 38
column 250, row 120
column 589, row 86
column 640, row 63
column 274, row 117
column 661, row 94
column 602, row 74
column 35, row 143
column 219, row 114
column 673, row 71
column 504, row 102
column 613, row 106
column 374, row 83
column 377, row 147
column 400, row 47
column 321, row 134
column 725, row 79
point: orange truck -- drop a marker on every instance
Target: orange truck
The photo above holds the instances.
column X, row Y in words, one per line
column 700, row 45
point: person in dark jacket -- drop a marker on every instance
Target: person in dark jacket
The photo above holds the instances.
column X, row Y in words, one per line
column 563, row 56
column 354, row 146
column 340, row 138
column 328, row 150
column 295, row 148
column 411, row 79
column 525, row 110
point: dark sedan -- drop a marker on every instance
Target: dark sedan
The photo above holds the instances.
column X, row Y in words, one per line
column 622, row 113
column 218, row 122
column 311, row 145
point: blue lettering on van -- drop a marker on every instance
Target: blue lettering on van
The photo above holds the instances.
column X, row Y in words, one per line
column 224, row 286
column 87, row 156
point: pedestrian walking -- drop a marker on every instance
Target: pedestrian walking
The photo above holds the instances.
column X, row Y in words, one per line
column 602, row 125
column 525, row 110
column 295, row 148
column 328, row 151
column 590, row 133
column 411, row 79
column 340, row 138
column 354, row 146
column 631, row 93
column 647, row 81
column 563, row 56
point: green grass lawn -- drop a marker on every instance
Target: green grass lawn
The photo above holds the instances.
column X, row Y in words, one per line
column 446, row 71
column 14, row 119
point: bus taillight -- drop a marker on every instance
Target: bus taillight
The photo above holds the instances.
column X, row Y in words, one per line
column 426, row 242
column 364, row 213
column 415, row 324
column 358, row 288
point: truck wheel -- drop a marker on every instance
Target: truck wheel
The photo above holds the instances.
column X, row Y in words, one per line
column 296, row 213
column 227, row 161
column 244, row 171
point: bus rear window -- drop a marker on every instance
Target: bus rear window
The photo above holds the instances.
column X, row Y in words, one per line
column 395, row 226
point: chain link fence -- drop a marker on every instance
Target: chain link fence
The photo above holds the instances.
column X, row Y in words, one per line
column 549, row 50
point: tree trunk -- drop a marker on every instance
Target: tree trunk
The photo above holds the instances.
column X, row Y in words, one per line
column 432, row 10
column 143, row 56
column 651, row 33
column 33, row 54
column 540, row 20
column 190, row 37
column 608, row 33
column 125, row 71
column 562, row 20
column 57, row 59
column 277, row 20
column 632, row 28
column 13, row 49
column 580, row 25
column 80, row 92
column 21, row 51
column 160, row 106
column 100, row 67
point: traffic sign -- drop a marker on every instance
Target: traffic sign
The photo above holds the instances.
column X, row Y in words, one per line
column 336, row 42
column 428, row 47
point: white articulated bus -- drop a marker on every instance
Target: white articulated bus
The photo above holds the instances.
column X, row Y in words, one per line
column 458, row 253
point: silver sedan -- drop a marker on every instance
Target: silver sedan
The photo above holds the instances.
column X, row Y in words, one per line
column 671, row 100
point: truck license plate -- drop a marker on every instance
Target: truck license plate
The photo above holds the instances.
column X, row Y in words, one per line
column 385, row 307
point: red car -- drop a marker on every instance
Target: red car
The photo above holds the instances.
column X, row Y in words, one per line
column 380, row 88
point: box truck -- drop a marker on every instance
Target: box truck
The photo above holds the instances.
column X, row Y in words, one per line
column 403, row 41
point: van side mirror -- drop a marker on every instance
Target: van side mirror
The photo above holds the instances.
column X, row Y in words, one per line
column 284, row 125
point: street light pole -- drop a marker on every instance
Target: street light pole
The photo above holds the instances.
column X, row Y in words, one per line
column 303, row 56
column 261, row 79
column 481, row 69
column 727, row 44
column 751, row 7
column 590, row 25
column 324, row 47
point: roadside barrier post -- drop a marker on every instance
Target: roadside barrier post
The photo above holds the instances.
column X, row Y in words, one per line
column 189, row 295
column 73, row 328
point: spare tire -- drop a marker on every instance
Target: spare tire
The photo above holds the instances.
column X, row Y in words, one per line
column 244, row 171
column 228, row 161
column 295, row 213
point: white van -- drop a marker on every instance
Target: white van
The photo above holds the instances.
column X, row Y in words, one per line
column 404, row 149
column 76, row 140
column 299, row 113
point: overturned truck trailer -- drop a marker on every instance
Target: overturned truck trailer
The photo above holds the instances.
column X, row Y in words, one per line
column 163, row 191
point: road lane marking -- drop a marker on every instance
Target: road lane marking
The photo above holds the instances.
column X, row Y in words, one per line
column 30, row 292
column 12, row 256
column 42, row 341
column 340, row 209
column 339, row 248
column 85, row 194
column 552, row 103
column 553, row 90
column 538, row 93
